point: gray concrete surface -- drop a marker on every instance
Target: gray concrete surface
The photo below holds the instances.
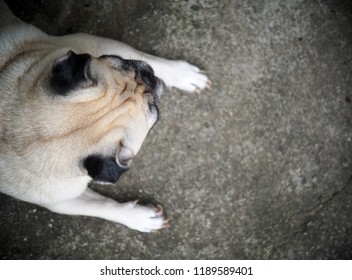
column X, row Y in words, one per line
column 258, row 168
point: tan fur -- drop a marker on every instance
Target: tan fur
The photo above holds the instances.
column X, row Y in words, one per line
column 44, row 137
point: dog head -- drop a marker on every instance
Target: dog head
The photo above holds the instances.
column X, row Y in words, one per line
column 90, row 112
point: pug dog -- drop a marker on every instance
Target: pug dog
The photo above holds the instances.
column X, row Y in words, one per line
column 74, row 109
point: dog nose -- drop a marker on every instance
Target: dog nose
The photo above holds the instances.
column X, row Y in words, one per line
column 145, row 74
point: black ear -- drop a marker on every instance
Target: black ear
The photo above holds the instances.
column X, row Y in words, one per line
column 71, row 72
column 103, row 169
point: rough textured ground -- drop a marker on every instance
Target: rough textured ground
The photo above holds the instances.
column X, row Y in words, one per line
column 258, row 168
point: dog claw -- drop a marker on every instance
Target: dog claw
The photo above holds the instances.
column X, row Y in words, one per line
column 209, row 84
column 159, row 210
column 166, row 223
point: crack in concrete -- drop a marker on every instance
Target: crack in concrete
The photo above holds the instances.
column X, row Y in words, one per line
column 302, row 227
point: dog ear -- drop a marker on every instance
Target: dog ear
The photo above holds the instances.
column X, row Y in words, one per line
column 103, row 169
column 71, row 72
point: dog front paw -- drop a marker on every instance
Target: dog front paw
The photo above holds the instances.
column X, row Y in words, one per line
column 144, row 218
column 184, row 76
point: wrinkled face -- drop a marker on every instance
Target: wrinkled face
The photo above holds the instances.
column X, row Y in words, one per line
column 106, row 107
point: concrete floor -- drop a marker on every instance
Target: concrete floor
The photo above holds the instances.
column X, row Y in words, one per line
column 258, row 168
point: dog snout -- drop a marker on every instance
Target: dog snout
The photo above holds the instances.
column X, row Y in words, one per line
column 144, row 72
column 145, row 75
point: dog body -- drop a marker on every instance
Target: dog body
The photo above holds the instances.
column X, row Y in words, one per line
column 72, row 110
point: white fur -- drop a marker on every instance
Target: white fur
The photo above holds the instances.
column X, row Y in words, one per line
column 130, row 214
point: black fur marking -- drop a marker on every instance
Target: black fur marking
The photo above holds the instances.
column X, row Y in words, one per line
column 146, row 73
column 71, row 72
column 103, row 169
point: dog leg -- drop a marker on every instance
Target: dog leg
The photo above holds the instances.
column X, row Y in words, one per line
column 174, row 73
column 180, row 74
column 130, row 214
